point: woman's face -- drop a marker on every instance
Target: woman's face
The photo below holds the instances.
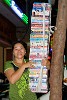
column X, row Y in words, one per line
column 19, row 51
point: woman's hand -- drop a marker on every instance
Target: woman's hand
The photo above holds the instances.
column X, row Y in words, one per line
column 29, row 64
column 46, row 62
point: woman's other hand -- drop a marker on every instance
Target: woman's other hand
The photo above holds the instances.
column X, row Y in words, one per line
column 46, row 62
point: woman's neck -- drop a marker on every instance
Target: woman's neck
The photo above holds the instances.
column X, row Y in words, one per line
column 20, row 61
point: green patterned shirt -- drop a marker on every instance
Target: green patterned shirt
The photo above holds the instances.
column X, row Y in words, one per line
column 20, row 90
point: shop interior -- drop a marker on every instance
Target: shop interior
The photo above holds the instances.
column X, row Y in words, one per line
column 13, row 28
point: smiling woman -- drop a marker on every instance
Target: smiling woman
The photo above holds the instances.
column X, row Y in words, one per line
column 18, row 74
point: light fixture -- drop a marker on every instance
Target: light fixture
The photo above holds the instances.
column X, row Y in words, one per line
column 17, row 10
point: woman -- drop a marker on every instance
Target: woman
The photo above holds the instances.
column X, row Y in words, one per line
column 18, row 74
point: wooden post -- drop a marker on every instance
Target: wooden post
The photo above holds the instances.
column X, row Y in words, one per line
column 58, row 52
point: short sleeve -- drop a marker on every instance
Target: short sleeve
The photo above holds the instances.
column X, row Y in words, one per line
column 8, row 65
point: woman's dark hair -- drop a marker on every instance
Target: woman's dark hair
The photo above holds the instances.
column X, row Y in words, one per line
column 21, row 42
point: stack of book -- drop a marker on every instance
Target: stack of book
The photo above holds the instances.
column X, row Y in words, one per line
column 39, row 46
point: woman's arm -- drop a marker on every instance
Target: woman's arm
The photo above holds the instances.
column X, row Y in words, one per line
column 14, row 76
